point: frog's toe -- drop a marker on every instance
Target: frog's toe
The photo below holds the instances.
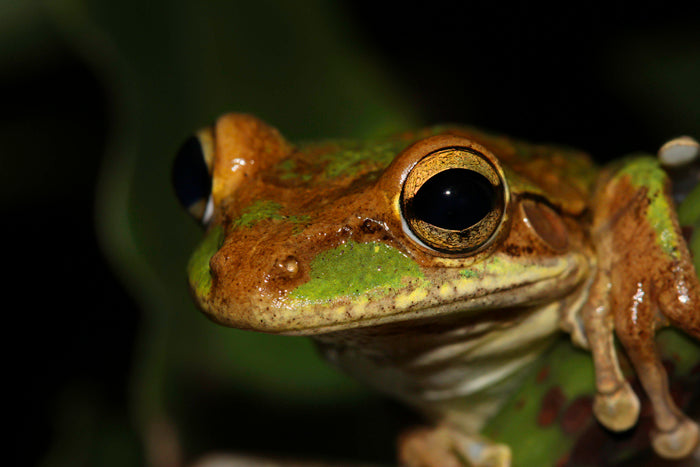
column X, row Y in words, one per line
column 483, row 453
column 495, row 455
column 618, row 410
column 445, row 447
column 678, row 442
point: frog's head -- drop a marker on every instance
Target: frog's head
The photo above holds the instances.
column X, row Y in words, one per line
column 319, row 237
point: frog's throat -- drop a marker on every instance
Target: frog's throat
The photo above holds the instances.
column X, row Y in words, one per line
column 459, row 373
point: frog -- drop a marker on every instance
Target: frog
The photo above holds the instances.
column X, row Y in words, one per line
column 436, row 265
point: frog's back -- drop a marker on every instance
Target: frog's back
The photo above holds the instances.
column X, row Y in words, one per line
column 562, row 176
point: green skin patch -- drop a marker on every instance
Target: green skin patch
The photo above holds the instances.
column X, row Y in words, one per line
column 198, row 269
column 261, row 210
column 468, row 273
column 347, row 158
column 288, row 170
column 342, row 159
column 644, row 172
column 351, row 156
column 356, row 269
column 258, row 211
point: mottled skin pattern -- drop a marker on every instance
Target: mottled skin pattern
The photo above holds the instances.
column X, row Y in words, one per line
column 451, row 333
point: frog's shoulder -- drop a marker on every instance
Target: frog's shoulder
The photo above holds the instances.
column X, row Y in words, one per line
column 562, row 175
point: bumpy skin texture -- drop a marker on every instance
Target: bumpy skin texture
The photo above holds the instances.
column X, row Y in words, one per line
column 311, row 240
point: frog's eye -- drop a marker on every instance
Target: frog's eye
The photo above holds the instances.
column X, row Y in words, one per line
column 191, row 175
column 453, row 200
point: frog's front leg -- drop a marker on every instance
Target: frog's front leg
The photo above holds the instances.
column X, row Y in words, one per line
column 645, row 280
column 444, row 446
column 616, row 405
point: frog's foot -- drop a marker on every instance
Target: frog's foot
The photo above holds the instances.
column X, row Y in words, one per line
column 675, row 436
column 618, row 410
column 645, row 281
column 616, row 406
column 678, row 442
column 443, row 446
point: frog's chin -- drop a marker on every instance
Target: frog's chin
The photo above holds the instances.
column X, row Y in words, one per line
column 461, row 295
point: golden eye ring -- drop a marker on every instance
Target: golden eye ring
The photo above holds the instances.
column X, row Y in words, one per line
column 454, row 200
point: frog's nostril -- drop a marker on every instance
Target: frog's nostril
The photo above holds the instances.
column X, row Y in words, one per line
column 289, row 266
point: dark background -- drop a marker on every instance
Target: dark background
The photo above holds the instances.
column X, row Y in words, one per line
column 573, row 74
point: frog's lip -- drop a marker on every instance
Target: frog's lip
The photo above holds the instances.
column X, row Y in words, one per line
column 569, row 272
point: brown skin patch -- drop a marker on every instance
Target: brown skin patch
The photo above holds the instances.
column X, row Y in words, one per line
column 543, row 374
column 244, row 146
column 622, row 218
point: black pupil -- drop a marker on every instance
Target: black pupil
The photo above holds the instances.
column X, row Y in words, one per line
column 454, row 199
column 190, row 174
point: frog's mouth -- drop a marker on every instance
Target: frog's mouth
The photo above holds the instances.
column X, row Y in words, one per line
column 434, row 295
